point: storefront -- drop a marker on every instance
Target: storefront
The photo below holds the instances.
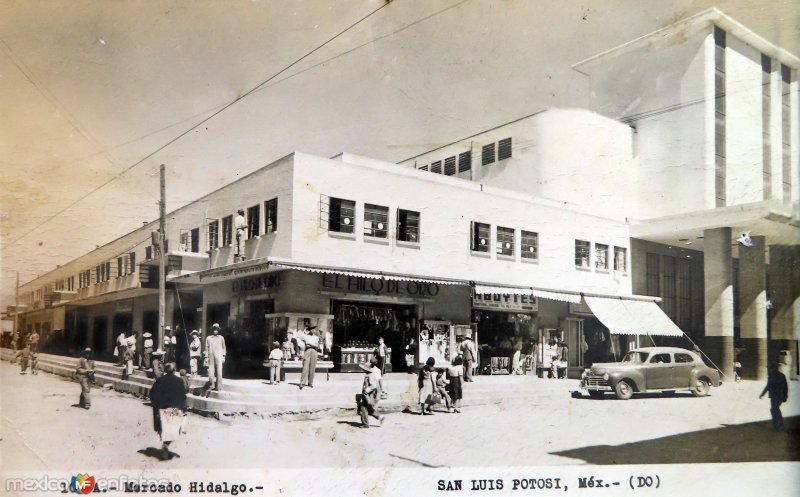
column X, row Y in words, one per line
column 506, row 323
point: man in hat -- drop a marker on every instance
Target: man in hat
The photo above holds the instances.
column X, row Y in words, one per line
column 168, row 398
column 215, row 352
column 158, row 363
column 85, row 374
column 778, row 390
column 194, row 353
column 147, row 344
column 24, row 356
column 469, row 355
column 370, row 395
column 170, row 342
column 240, row 225
column 122, row 346
column 309, row 357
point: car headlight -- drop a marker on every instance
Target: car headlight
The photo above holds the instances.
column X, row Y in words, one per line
column 605, row 377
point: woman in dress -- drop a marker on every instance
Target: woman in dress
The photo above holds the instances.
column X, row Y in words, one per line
column 456, row 372
column 426, row 381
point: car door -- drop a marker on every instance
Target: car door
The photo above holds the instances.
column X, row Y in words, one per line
column 658, row 371
column 682, row 370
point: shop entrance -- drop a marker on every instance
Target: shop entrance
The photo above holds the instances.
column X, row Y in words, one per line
column 504, row 333
column 357, row 326
column 100, row 342
column 247, row 342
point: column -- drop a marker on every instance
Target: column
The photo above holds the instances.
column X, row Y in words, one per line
column 784, row 293
column 753, row 309
column 718, row 279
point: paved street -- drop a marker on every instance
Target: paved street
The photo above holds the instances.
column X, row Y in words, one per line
column 41, row 430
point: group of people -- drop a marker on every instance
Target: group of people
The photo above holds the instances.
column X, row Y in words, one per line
column 29, row 354
column 307, row 345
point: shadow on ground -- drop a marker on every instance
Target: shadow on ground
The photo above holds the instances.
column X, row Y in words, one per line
column 749, row 442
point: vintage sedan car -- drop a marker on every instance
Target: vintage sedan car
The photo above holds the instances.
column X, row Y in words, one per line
column 651, row 369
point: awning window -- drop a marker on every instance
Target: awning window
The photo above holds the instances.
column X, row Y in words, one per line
column 543, row 294
column 632, row 317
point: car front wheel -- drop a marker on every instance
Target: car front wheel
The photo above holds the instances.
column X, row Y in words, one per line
column 623, row 390
column 701, row 388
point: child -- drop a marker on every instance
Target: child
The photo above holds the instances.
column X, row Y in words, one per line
column 456, row 375
column 441, row 389
column 275, row 359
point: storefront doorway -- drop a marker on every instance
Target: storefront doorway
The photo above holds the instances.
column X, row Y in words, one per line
column 357, row 326
column 247, row 342
column 501, row 334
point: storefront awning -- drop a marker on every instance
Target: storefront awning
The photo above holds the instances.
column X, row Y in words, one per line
column 574, row 298
column 367, row 274
column 632, row 317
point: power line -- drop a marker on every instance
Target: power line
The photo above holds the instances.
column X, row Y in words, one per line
column 181, row 135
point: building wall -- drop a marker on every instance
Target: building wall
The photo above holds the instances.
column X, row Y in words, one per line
column 447, row 207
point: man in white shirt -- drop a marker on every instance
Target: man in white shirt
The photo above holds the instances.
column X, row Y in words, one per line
column 240, row 225
column 194, row 353
column 309, row 358
column 468, row 351
column 215, row 351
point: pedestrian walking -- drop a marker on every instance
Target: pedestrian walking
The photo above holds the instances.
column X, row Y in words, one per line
column 441, row 389
column 128, row 355
column 24, row 356
column 275, row 361
column 309, row 358
column 411, row 355
column 34, row 363
column 240, row 225
column 147, row 350
column 122, row 344
column 380, row 354
column 370, row 396
column 427, row 386
column 215, row 352
column 85, row 374
column 33, row 342
column 373, row 361
column 468, row 352
column 456, row 373
column 194, row 353
column 168, row 398
column 778, row 390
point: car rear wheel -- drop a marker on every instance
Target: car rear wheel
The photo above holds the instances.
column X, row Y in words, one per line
column 596, row 394
column 623, row 390
column 701, row 387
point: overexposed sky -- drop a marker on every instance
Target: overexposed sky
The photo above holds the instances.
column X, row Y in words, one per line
column 89, row 88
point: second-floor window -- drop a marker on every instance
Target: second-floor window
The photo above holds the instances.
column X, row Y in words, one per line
column 529, row 245
column 213, row 234
column 227, row 231
column 582, row 253
column 195, row 240
column 620, row 259
column 408, row 223
column 505, row 241
column 341, row 215
column 376, row 220
column 480, row 237
column 271, row 215
column 253, row 221
column 600, row 256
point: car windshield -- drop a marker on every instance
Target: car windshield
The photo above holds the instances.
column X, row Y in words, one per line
column 635, row 357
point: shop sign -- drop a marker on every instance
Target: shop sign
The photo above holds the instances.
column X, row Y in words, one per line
column 258, row 283
column 123, row 306
column 505, row 302
column 581, row 308
column 379, row 286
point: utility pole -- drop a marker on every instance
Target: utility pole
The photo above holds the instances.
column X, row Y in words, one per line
column 16, row 317
column 162, row 288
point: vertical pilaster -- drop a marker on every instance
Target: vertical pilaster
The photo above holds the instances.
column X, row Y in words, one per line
column 752, row 286
column 718, row 280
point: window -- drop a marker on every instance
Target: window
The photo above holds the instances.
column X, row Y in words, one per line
column 480, row 237
column 436, row 167
column 683, row 358
column 505, row 241
column 487, row 154
column 120, row 266
column 376, row 221
column 620, row 259
column 660, row 359
column 253, row 221
column 424, row 168
column 786, row 131
column 213, row 234
column 132, row 262
column 504, row 149
column 766, row 117
column 582, row 253
column 148, row 252
column 408, row 226
column 464, row 161
column 59, row 285
column 271, row 215
column 195, row 240
column 71, row 283
column 227, row 231
column 600, row 256
column 719, row 107
column 450, row 166
column 341, row 215
column 530, row 245
column 184, row 241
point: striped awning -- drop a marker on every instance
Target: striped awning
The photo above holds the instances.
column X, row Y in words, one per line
column 632, row 317
column 368, row 274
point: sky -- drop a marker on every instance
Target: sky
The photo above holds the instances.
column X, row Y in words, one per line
column 95, row 94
